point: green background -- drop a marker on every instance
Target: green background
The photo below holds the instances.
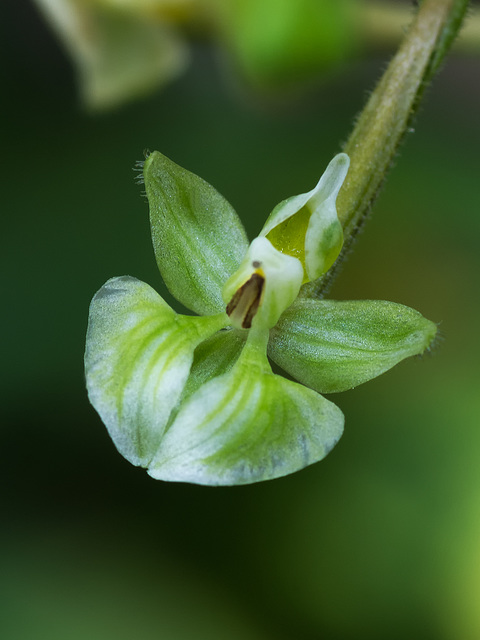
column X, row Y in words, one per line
column 380, row 540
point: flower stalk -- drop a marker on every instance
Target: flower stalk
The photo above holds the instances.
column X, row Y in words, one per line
column 389, row 113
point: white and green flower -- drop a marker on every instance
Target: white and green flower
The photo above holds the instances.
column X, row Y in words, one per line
column 193, row 398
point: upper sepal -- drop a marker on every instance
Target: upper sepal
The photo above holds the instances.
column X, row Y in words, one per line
column 198, row 238
column 307, row 227
column 137, row 360
column 246, row 426
column 334, row 346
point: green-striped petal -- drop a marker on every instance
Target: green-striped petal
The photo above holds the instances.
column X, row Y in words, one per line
column 211, row 358
column 137, row 360
column 246, row 426
column 198, row 238
column 334, row 346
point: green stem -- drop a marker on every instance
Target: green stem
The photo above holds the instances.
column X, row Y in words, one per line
column 388, row 114
column 381, row 26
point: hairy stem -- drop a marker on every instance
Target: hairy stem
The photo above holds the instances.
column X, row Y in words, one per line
column 381, row 25
column 388, row 114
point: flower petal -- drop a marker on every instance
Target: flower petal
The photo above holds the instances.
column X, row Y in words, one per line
column 137, row 360
column 198, row 238
column 334, row 346
column 307, row 227
column 246, row 426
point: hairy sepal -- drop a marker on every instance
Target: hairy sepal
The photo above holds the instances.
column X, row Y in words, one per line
column 333, row 346
column 198, row 238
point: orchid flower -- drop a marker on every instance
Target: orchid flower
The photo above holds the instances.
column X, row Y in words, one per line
column 193, row 398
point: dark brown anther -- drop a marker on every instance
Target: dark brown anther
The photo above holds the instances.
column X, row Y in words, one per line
column 245, row 302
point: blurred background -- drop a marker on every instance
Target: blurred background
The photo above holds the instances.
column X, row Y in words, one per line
column 380, row 540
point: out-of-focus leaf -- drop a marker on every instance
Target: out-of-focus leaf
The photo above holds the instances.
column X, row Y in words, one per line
column 276, row 43
column 118, row 55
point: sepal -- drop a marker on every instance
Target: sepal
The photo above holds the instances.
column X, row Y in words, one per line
column 333, row 346
column 198, row 238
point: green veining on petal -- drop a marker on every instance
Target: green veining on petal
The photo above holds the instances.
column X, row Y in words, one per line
column 333, row 346
column 137, row 360
column 212, row 358
column 247, row 425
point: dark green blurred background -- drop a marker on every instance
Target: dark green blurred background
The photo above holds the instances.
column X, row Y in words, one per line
column 382, row 539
